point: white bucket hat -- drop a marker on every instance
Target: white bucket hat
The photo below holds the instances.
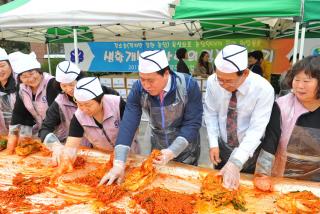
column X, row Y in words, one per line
column 3, row 55
column 21, row 62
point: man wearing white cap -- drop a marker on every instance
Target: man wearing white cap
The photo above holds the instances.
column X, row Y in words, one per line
column 55, row 126
column 97, row 118
column 174, row 105
column 237, row 109
column 36, row 92
column 7, row 92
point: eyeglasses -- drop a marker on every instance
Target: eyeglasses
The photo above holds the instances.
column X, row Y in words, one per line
column 228, row 82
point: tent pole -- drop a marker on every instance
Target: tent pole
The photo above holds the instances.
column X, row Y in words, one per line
column 303, row 34
column 296, row 41
column 49, row 61
column 303, row 30
column 75, row 43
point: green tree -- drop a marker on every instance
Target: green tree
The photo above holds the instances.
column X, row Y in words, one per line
column 12, row 46
column 53, row 62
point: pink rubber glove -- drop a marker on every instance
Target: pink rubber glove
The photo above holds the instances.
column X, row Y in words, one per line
column 231, row 176
column 166, row 156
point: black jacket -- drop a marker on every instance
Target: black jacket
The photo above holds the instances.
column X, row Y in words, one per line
column 53, row 119
column 182, row 67
column 21, row 115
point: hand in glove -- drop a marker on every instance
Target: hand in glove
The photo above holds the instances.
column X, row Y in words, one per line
column 262, row 182
column 25, row 131
column 16, row 133
column 231, row 175
column 115, row 173
column 68, row 156
column 11, row 144
column 174, row 150
column 65, row 159
column 165, row 157
column 57, row 150
column 54, row 145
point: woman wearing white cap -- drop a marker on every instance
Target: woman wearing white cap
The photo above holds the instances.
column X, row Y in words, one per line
column 36, row 92
column 61, row 111
column 97, row 118
column 7, row 92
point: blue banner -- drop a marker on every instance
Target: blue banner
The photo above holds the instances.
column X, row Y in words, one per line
column 124, row 56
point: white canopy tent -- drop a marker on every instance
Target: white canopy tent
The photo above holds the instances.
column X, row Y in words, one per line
column 160, row 30
column 47, row 13
column 108, row 20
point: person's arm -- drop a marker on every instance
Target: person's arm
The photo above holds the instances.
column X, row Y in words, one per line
column 269, row 143
column 67, row 157
column 191, row 123
column 75, row 130
column 122, row 107
column 211, row 114
column 52, row 90
column 211, row 118
column 20, row 117
column 20, row 114
column 262, row 176
column 128, row 126
column 51, row 121
column 259, row 120
column 197, row 71
column 192, row 118
column 131, row 117
column 64, row 156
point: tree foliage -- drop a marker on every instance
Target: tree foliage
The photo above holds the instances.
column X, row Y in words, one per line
column 12, row 46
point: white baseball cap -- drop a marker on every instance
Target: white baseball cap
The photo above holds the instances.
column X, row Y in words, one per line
column 231, row 59
column 152, row 61
column 67, row 72
column 21, row 62
column 3, row 55
column 87, row 88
